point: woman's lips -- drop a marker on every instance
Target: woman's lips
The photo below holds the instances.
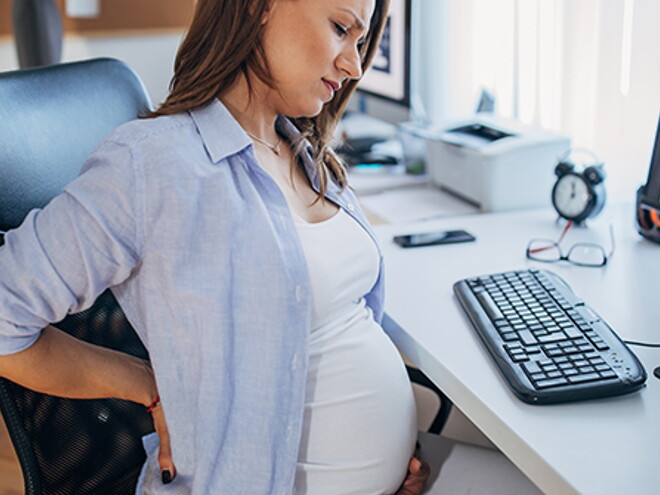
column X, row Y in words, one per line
column 332, row 86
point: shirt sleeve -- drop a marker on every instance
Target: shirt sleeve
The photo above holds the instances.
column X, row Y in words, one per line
column 64, row 255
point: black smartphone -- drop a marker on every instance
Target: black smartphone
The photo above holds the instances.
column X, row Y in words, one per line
column 431, row 238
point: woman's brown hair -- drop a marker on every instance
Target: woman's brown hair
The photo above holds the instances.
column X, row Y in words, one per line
column 223, row 42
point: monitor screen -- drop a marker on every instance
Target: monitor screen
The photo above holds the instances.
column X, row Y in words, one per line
column 389, row 75
column 653, row 181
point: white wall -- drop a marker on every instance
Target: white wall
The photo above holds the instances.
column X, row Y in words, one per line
column 460, row 46
column 151, row 56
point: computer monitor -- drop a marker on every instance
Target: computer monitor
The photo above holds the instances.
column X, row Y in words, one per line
column 389, row 75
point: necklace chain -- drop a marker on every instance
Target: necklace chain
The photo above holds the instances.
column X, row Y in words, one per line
column 275, row 148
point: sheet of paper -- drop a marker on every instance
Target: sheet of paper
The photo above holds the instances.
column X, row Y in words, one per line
column 376, row 179
column 415, row 204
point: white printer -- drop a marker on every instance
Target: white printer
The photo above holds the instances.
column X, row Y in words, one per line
column 497, row 163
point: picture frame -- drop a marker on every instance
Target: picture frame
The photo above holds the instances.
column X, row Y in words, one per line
column 389, row 75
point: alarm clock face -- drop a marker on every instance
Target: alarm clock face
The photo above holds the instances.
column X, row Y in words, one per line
column 572, row 197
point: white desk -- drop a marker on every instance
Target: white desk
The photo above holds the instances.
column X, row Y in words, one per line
column 606, row 446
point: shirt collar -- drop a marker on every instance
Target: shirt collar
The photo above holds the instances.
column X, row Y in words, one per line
column 221, row 134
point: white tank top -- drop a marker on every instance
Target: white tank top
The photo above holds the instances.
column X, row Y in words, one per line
column 359, row 426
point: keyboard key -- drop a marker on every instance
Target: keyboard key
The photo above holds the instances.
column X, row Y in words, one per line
column 489, row 305
column 601, row 345
column 518, row 358
column 531, row 367
column 552, row 337
column 589, row 377
column 551, row 382
column 527, row 337
column 585, row 370
column 573, row 332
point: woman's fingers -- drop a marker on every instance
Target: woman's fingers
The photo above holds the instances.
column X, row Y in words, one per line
column 418, row 472
column 167, row 468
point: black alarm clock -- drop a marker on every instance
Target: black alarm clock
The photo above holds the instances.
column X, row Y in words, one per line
column 578, row 194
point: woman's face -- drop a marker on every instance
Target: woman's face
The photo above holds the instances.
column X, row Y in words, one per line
column 311, row 47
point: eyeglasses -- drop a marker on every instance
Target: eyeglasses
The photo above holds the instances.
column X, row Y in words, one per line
column 581, row 253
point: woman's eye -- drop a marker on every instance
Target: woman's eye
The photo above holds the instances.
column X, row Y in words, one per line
column 341, row 30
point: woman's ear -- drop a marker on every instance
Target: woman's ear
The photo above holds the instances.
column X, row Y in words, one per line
column 268, row 6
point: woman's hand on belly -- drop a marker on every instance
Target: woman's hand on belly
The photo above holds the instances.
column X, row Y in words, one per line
column 418, row 472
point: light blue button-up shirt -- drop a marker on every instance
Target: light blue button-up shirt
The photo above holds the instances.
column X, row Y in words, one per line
column 201, row 252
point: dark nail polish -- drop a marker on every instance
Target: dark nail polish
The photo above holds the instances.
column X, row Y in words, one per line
column 167, row 477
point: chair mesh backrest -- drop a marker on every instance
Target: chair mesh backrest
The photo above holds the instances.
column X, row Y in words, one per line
column 50, row 120
column 86, row 446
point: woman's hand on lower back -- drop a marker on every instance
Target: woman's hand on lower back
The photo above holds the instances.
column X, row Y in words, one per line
column 167, row 468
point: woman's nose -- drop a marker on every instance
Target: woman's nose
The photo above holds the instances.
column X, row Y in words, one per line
column 350, row 63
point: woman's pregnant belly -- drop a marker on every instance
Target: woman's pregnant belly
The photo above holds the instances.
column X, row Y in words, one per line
column 359, row 427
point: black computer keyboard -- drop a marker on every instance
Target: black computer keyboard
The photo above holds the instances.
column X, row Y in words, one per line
column 549, row 345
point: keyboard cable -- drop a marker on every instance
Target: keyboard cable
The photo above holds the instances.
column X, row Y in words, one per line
column 641, row 344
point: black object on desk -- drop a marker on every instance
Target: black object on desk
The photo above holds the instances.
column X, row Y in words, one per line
column 656, row 371
column 358, row 151
column 647, row 208
column 433, row 238
column 549, row 345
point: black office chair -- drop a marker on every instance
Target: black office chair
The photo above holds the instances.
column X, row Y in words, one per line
column 51, row 119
